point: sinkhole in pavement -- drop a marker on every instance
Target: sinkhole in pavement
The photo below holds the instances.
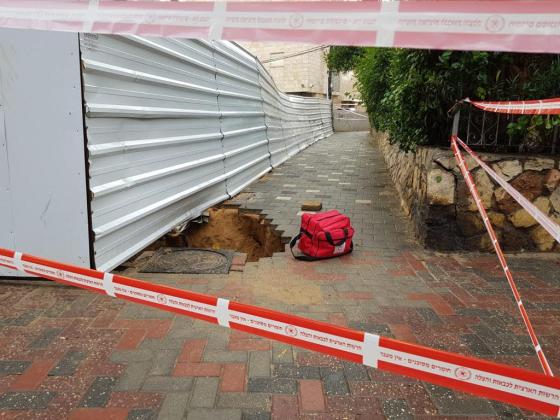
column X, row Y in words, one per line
column 208, row 247
column 231, row 229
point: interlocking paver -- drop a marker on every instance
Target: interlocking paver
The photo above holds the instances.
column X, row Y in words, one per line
column 204, row 392
column 151, row 363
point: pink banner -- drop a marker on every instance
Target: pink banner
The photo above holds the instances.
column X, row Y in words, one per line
column 527, row 26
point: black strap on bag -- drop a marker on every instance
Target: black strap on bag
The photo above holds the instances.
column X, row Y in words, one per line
column 296, row 238
column 335, row 244
column 293, row 243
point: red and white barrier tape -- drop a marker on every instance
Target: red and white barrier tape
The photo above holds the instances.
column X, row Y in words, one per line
column 529, row 26
column 519, row 387
column 474, row 191
column 540, row 106
column 550, row 226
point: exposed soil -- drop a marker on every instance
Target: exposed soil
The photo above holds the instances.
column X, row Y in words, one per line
column 242, row 232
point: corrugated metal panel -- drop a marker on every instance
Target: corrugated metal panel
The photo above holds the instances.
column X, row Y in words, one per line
column 176, row 126
column 243, row 123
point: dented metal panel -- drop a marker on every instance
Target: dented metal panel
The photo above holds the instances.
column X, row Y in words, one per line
column 176, row 126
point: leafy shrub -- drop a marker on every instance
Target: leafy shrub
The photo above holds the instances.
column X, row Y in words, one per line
column 408, row 92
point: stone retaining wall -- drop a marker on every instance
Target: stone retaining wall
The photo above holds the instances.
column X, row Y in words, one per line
column 434, row 195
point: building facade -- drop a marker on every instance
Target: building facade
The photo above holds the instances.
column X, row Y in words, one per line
column 300, row 69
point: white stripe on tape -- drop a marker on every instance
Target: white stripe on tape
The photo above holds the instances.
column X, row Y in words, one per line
column 18, row 262
column 218, row 20
column 108, row 284
column 91, row 16
column 222, row 312
column 371, row 350
column 538, row 347
column 389, row 14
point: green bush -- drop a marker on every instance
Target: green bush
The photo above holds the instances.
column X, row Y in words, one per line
column 409, row 92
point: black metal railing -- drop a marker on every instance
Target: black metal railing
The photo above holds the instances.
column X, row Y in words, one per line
column 505, row 133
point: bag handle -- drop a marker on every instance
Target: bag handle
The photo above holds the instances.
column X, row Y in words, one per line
column 330, row 239
column 293, row 243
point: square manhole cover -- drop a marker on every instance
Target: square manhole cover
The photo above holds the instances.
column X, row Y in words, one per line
column 189, row 261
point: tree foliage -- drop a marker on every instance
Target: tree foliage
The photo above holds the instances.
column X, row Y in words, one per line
column 408, row 92
column 343, row 59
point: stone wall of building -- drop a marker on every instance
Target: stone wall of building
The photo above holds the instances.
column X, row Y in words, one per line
column 433, row 193
column 305, row 73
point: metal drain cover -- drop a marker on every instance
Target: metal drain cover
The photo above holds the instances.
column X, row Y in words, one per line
column 189, row 261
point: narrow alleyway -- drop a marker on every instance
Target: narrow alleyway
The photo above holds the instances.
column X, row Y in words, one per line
column 72, row 353
column 345, row 172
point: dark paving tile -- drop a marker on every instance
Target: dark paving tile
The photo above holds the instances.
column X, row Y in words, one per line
column 99, row 392
column 30, row 400
column 13, row 367
column 334, row 381
column 397, row 409
column 272, row 385
column 296, row 372
column 260, row 415
column 141, row 414
column 68, row 364
column 46, row 338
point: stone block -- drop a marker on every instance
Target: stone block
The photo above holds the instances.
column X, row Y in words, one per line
column 521, row 218
column 470, row 223
column 552, row 179
column 529, row 183
column 312, row 205
column 555, row 199
column 498, row 219
column 539, row 164
column 485, row 188
column 508, row 169
column 542, row 239
column 441, row 187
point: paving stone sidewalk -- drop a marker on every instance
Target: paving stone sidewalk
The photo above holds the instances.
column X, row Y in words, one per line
column 68, row 353
column 345, row 173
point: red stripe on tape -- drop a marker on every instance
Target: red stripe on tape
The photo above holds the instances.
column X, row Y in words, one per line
column 167, row 308
column 60, row 266
column 305, row 6
column 481, row 6
column 528, row 403
column 166, row 290
column 65, row 282
column 357, row 358
column 7, row 253
column 298, row 321
column 486, row 365
column 333, row 37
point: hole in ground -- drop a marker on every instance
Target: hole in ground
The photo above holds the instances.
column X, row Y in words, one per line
column 226, row 229
column 249, row 233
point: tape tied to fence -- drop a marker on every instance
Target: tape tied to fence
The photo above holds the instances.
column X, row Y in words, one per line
column 524, row 26
column 533, row 107
column 519, row 387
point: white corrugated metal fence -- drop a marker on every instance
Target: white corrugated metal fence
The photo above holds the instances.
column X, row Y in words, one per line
column 177, row 126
